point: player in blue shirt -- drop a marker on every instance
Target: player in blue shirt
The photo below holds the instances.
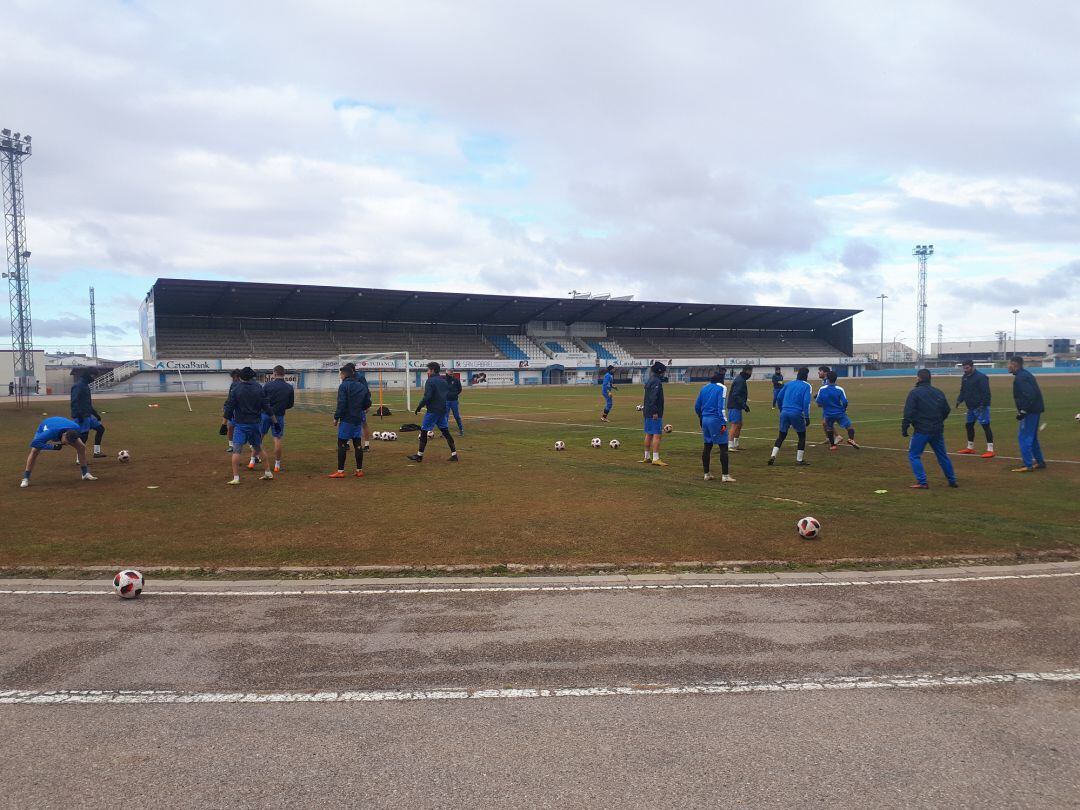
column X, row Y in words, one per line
column 833, row 402
column 82, row 408
column 975, row 394
column 653, row 408
column 227, row 425
column 709, row 408
column 607, row 385
column 777, row 379
column 245, row 407
column 281, row 397
column 453, row 404
column 52, row 434
column 1029, row 410
column 435, row 401
column 794, row 413
column 350, row 417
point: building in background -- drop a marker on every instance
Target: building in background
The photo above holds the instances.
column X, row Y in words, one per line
column 1047, row 349
column 7, row 372
column 895, row 352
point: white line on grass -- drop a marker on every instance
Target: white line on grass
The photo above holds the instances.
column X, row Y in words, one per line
column 123, row 697
column 658, row 586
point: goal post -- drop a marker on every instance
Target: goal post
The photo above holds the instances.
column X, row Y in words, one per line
column 387, row 373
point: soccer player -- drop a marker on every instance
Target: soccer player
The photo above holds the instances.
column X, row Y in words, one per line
column 1029, row 409
column 654, row 414
column 607, row 385
column 975, row 393
column 926, row 410
column 453, row 391
column 738, row 403
column 281, row 397
column 82, row 409
column 823, row 375
column 52, row 434
column 227, row 425
column 833, row 401
column 435, row 400
column 794, row 413
column 777, row 384
column 709, row 408
column 245, row 407
column 350, row 416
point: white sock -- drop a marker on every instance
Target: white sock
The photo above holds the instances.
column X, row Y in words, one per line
column 735, row 442
column 236, row 478
column 775, row 451
column 646, row 455
column 97, row 448
column 971, row 446
column 799, row 455
column 989, row 447
column 367, row 445
column 655, row 456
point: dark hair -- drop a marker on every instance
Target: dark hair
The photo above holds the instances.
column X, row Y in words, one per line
column 1017, row 359
column 802, row 373
column 968, row 363
column 826, row 369
column 923, row 374
column 611, row 368
column 718, row 376
column 349, row 369
column 433, row 366
column 777, row 368
column 748, row 369
column 831, row 376
column 279, row 370
column 235, row 374
column 658, row 367
column 247, row 373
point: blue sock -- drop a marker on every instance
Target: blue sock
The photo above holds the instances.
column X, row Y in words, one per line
column 84, row 469
column 26, row 474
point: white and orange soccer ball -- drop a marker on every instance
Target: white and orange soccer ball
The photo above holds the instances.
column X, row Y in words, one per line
column 596, row 442
column 668, row 428
column 123, row 456
column 128, row 583
column 614, row 444
column 809, row 527
column 560, row 445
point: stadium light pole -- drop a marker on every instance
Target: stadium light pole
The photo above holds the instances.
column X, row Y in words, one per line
column 15, row 149
column 1015, row 313
column 881, row 355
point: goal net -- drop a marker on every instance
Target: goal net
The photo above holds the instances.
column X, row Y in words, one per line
column 388, row 376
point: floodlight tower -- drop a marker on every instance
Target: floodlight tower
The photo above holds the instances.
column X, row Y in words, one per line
column 940, row 339
column 922, row 253
column 93, row 328
column 14, row 150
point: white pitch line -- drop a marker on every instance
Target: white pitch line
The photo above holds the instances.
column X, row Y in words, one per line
column 569, row 588
column 123, row 697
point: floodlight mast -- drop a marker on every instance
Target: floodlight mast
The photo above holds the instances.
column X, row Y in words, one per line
column 921, row 253
column 14, row 150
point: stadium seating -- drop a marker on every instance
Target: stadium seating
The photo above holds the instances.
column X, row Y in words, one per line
column 177, row 343
column 724, row 344
column 507, row 347
column 555, row 346
column 519, row 347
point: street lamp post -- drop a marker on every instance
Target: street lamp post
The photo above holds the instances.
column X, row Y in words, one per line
column 881, row 355
column 896, row 337
column 1015, row 313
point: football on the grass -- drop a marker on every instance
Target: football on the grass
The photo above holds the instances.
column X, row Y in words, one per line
column 809, row 528
column 123, row 456
column 560, row 445
column 128, row 584
column 596, row 442
column 614, row 444
column 668, row 428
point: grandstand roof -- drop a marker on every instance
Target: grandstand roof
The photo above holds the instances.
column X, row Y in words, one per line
column 256, row 300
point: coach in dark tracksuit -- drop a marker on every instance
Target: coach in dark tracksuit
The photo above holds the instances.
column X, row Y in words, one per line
column 926, row 410
column 1029, row 411
column 777, row 380
column 738, row 402
column 82, row 409
column 245, row 407
column 975, row 394
column 350, row 416
column 453, row 391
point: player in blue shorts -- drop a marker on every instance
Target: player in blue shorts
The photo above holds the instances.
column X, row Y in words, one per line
column 737, row 404
column 350, row 417
column 653, row 408
column 245, row 406
column 607, row 385
column 709, row 408
column 281, row 397
column 82, row 408
column 453, row 392
column 434, row 400
column 833, row 401
column 53, row 434
column 794, row 413
column 227, row 425
column 777, row 380
column 975, row 394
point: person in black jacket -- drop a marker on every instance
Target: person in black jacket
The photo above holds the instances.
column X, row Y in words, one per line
column 926, row 410
column 82, row 408
column 350, row 416
column 975, row 394
column 453, row 391
column 738, row 402
column 228, row 425
column 435, row 391
column 777, row 379
column 282, row 398
column 653, row 409
column 1029, row 410
column 245, row 407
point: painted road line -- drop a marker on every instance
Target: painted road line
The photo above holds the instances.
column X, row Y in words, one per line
column 569, row 588
column 121, row 697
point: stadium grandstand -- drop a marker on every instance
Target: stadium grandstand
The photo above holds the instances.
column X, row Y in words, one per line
column 204, row 328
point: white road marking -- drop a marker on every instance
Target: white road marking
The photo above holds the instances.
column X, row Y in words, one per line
column 569, row 587
column 123, row 697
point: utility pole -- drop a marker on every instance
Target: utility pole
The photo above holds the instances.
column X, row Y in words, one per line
column 922, row 253
column 1015, row 313
column 93, row 328
column 881, row 350
column 14, row 150
column 940, row 340
column 1003, row 345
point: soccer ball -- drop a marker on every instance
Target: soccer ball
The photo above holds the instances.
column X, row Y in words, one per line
column 391, row 436
column 560, row 445
column 431, row 434
column 123, row 456
column 128, row 584
column 668, row 428
column 1077, row 417
column 614, row 444
column 639, row 407
column 596, row 442
column 809, row 528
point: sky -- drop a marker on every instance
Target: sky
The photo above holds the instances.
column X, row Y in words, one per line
column 765, row 153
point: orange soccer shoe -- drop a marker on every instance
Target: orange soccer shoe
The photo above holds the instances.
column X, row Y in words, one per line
column 967, row 451
column 337, row 474
column 358, row 474
column 988, row 454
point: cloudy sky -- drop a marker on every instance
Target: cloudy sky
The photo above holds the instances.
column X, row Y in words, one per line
column 766, row 152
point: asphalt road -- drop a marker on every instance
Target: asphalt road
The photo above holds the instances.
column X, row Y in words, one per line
column 996, row 744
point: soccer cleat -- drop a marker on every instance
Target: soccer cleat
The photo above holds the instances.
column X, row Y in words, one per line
column 853, row 443
column 416, row 457
column 461, row 433
column 277, row 468
column 358, row 474
column 233, row 482
column 803, row 463
column 832, row 448
column 659, row 463
column 24, row 483
column 919, row 486
column 267, row 476
column 603, row 418
column 988, row 454
column 251, row 464
column 708, row 477
column 967, row 451
column 954, row 485
column 99, row 455
column 1041, row 465
column 88, row 477
column 772, row 460
column 258, row 460
column 337, row 474
column 728, row 479
column 644, row 461
column 228, row 449
column 453, row 457
column 1024, row 469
